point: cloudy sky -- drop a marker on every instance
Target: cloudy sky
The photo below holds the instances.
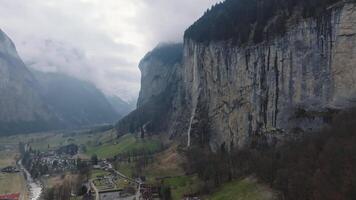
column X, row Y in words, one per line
column 97, row 40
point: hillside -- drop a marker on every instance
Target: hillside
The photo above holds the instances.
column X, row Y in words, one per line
column 21, row 105
column 76, row 103
column 121, row 107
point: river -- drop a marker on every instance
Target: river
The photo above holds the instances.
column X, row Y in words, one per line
column 35, row 187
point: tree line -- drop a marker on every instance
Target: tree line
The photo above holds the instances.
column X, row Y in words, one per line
column 321, row 166
column 243, row 21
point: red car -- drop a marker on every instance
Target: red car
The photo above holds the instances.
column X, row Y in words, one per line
column 10, row 196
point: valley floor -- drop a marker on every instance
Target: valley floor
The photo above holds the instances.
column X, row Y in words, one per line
column 163, row 168
column 11, row 182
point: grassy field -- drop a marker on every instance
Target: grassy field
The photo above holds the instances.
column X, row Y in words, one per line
column 51, row 140
column 181, row 185
column 246, row 189
column 98, row 173
column 125, row 144
column 8, row 158
column 166, row 163
column 167, row 166
column 104, row 144
column 54, row 141
column 125, row 168
column 11, row 183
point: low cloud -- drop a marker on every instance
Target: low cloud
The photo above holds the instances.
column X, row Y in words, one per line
column 100, row 41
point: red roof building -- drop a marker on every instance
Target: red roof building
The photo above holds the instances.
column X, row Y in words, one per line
column 10, row 196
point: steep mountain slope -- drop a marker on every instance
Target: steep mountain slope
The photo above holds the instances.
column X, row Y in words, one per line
column 159, row 101
column 21, row 107
column 121, row 107
column 75, row 102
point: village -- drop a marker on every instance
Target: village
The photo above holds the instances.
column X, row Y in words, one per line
column 105, row 182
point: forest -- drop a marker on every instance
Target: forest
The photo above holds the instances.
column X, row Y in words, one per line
column 243, row 21
column 319, row 166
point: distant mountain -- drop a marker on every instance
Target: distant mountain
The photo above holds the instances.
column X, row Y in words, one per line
column 121, row 107
column 21, row 106
column 76, row 103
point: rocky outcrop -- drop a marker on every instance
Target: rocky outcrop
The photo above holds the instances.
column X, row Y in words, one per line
column 21, row 106
column 260, row 94
column 160, row 104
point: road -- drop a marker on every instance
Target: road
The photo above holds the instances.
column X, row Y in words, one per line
column 35, row 188
column 95, row 189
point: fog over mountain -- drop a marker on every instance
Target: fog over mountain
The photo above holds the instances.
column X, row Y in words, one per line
column 98, row 41
column 76, row 103
column 21, row 105
column 33, row 101
column 120, row 106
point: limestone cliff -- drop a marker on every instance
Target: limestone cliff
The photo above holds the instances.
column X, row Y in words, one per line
column 159, row 107
column 158, row 69
column 260, row 94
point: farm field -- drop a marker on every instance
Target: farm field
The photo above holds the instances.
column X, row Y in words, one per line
column 11, row 183
column 125, row 144
column 103, row 144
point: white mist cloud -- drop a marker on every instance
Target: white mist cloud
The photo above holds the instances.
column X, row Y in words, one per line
column 100, row 41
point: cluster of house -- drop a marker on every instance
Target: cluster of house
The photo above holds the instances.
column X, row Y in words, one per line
column 56, row 162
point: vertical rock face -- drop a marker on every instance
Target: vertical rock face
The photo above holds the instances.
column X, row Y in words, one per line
column 158, row 69
column 22, row 109
column 257, row 95
column 159, row 107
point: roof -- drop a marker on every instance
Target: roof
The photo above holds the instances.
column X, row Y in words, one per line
column 10, row 196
